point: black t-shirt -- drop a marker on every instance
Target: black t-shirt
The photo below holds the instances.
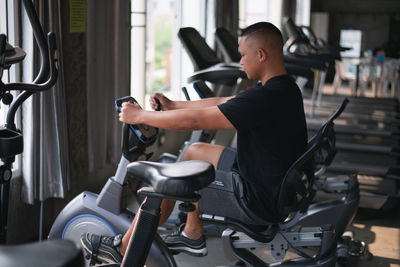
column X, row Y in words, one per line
column 271, row 135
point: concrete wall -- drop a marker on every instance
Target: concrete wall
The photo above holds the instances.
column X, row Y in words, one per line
column 374, row 27
column 378, row 21
column 356, row 6
column 373, row 17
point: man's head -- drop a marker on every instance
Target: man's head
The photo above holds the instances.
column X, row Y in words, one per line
column 261, row 46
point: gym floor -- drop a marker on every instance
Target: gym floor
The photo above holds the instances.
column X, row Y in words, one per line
column 380, row 230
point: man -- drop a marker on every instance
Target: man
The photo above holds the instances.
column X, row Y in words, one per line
column 271, row 135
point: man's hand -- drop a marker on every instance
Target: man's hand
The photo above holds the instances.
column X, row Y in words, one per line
column 165, row 102
column 129, row 113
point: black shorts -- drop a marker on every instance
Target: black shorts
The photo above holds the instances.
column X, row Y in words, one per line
column 225, row 196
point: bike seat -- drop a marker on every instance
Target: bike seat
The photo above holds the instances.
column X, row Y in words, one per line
column 174, row 179
column 54, row 253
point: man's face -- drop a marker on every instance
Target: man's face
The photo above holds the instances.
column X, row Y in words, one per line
column 249, row 60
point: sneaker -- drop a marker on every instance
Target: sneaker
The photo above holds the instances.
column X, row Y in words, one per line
column 176, row 243
column 102, row 249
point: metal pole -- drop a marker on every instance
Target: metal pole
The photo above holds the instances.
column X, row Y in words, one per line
column 41, row 221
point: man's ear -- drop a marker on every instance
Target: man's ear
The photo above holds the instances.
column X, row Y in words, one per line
column 262, row 55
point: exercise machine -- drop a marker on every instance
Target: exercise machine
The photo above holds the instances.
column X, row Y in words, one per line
column 102, row 214
column 206, row 64
column 194, row 175
column 208, row 67
column 334, row 195
column 54, row 253
column 11, row 142
column 368, row 139
column 49, row 253
column 107, row 213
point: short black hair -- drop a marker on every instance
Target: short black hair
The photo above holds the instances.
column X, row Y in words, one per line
column 264, row 29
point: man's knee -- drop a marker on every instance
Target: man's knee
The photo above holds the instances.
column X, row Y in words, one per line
column 203, row 151
column 193, row 151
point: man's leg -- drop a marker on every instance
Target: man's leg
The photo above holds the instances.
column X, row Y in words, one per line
column 210, row 153
column 191, row 239
column 166, row 209
column 193, row 227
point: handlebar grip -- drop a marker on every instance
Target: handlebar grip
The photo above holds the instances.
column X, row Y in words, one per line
column 185, row 92
column 158, row 104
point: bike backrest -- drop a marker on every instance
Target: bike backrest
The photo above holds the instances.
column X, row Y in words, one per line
column 325, row 155
column 201, row 55
column 228, row 44
column 297, row 187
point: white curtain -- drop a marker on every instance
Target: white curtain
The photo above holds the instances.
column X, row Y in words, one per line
column 108, row 57
column 45, row 163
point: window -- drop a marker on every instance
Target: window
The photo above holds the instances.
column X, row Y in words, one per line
column 159, row 37
column 203, row 21
column 9, row 26
column 252, row 11
column 303, row 8
column 158, row 61
column 138, row 66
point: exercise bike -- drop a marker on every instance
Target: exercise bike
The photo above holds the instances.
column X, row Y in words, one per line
column 296, row 193
column 107, row 213
column 341, row 194
column 87, row 211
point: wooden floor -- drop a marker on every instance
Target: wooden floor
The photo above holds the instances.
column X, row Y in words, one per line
column 381, row 230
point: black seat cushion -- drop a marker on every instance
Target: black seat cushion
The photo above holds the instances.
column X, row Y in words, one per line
column 174, row 179
column 54, row 253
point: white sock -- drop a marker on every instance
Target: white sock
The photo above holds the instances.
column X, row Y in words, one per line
column 183, row 234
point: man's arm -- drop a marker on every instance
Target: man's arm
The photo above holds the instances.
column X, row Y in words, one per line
column 167, row 104
column 202, row 103
column 188, row 119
